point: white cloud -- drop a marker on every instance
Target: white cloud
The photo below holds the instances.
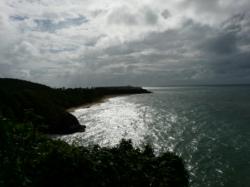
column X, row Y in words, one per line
column 65, row 41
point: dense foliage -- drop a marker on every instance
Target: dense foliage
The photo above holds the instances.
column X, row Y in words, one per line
column 28, row 158
column 45, row 107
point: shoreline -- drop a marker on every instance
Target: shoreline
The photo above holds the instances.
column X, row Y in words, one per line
column 48, row 109
column 87, row 105
column 98, row 101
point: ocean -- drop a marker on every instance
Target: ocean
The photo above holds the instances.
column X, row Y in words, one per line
column 209, row 127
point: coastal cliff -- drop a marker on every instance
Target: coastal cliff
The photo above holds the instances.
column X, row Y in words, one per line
column 46, row 107
column 30, row 158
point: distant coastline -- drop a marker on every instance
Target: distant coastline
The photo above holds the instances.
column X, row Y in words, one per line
column 48, row 108
column 197, row 85
column 29, row 110
column 98, row 101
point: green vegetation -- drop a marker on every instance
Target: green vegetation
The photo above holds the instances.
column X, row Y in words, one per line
column 28, row 158
column 45, row 107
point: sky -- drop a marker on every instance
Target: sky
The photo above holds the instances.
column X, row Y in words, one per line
column 80, row 43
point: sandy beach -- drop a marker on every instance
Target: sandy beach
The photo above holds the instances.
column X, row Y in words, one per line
column 98, row 101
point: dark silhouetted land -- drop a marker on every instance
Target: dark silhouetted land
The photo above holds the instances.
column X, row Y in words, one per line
column 29, row 158
column 46, row 107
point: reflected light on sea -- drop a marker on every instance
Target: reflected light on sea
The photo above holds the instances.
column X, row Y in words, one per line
column 108, row 122
column 207, row 126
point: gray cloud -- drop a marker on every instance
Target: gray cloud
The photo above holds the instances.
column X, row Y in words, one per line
column 223, row 43
column 122, row 16
column 166, row 14
column 125, row 42
column 51, row 26
column 151, row 17
column 203, row 5
column 128, row 16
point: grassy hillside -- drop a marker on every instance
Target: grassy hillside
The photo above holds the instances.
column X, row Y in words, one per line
column 45, row 107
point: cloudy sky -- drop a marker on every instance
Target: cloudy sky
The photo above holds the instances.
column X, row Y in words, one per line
column 138, row 42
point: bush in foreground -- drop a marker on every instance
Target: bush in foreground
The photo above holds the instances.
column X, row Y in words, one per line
column 28, row 158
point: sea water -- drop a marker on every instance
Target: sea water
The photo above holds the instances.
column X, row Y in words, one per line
column 209, row 127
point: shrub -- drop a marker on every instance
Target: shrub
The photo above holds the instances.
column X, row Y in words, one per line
column 28, row 158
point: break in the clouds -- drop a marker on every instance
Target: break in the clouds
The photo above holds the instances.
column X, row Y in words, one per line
column 151, row 43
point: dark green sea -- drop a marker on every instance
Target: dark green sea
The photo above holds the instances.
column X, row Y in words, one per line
column 208, row 126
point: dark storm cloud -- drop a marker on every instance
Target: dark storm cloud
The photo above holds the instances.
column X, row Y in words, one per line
column 232, row 36
column 197, row 52
column 223, row 44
